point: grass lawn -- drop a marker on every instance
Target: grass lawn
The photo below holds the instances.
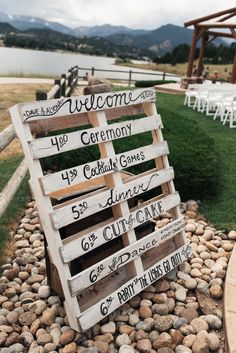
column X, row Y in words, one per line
column 220, row 209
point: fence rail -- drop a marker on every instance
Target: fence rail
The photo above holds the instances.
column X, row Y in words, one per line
column 6, row 136
column 128, row 74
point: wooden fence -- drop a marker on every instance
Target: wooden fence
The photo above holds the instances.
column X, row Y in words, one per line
column 129, row 75
column 62, row 87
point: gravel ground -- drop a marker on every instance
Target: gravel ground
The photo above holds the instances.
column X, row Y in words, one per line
column 181, row 313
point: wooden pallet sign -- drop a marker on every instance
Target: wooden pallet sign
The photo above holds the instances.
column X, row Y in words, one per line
column 99, row 219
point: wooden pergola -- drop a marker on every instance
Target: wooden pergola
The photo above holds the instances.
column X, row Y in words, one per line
column 208, row 28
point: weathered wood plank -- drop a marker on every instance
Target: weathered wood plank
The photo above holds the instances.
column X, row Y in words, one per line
column 44, row 206
column 93, row 170
column 84, row 187
column 138, row 271
column 114, row 180
column 6, row 136
column 114, row 262
column 76, row 120
column 83, row 242
column 63, row 106
column 48, row 146
column 163, row 162
column 12, row 186
column 87, row 205
column 101, row 290
column 131, row 288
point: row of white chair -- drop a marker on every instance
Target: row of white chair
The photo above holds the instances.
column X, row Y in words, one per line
column 218, row 101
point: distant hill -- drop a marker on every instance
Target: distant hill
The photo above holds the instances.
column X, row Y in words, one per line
column 159, row 41
column 6, row 28
column 106, row 30
column 27, row 22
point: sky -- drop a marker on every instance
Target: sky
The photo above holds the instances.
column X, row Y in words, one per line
column 143, row 14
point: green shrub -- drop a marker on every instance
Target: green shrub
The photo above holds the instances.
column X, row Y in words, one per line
column 151, row 83
column 193, row 156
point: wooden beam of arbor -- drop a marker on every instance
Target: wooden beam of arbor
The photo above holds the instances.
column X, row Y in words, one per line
column 216, row 25
column 201, row 33
column 211, row 40
column 226, row 17
column 220, row 34
column 233, row 74
column 192, row 52
column 209, row 17
column 201, row 55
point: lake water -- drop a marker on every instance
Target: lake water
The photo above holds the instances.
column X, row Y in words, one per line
column 15, row 61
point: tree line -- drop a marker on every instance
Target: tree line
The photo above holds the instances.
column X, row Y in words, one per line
column 221, row 54
column 47, row 39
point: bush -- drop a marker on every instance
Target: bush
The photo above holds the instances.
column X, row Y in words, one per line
column 192, row 154
column 151, row 83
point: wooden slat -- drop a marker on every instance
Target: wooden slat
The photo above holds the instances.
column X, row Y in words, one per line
column 89, row 297
column 48, row 146
column 44, row 206
column 131, row 288
column 73, row 105
column 76, row 120
column 163, row 162
column 87, row 205
column 84, row 187
column 114, row 180
column 121, row 258
column 93, row 170
column 83, row 242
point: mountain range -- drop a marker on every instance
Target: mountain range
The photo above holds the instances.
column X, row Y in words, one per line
column 159, row 41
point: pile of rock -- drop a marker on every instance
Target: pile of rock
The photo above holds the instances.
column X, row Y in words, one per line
column 181, row 313
column 97, row 85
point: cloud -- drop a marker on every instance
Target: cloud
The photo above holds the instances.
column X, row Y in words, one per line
column 148, row 14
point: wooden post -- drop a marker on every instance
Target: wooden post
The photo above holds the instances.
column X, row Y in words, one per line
column 201, row 55
column 233, row 74
column 63, row 85
column 130, row 75
column 192, row 52
column 76, row 74
column 58, row 92
column 73, row 76
column 70, row 79
column 41, row 95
